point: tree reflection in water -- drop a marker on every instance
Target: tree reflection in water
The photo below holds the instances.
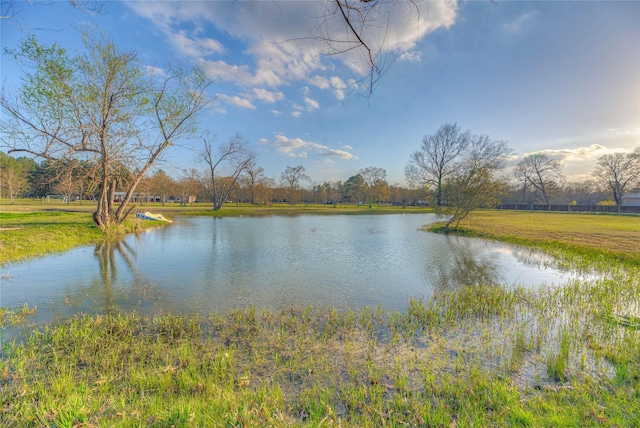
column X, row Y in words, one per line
column 463, row 267
column 137, row 294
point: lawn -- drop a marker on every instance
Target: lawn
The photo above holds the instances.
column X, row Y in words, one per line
column 616, row 235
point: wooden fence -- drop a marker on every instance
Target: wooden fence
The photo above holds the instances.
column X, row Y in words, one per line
column 571, row 208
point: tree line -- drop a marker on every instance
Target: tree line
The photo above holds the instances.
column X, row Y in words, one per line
column 25, row 178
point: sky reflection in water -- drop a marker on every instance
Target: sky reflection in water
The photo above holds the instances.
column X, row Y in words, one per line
column 204, row 265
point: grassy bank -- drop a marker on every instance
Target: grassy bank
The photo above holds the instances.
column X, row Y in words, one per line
column 611, row 235
column 30, row 234
column 483, row 355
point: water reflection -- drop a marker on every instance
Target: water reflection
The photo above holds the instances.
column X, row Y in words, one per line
column 210, row 265
column 464, row 267
column 106, row 254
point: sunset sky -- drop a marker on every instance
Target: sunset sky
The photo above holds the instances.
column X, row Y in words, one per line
column 562, row 78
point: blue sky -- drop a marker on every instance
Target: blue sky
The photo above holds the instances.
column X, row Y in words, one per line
column 562, row 78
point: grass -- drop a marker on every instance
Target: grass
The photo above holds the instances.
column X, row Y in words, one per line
column 481, row 355
column 605, row 234
column 30, row 234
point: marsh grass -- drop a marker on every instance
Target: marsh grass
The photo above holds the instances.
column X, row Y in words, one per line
column 475, row 356
column 14, row 317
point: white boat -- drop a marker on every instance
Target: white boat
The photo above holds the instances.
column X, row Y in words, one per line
column 151, row 216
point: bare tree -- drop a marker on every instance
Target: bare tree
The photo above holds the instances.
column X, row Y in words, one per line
column 226, row 162
column 253, row 175
column 540, row 172
column 375, row 179
column 619, row 172
column 291, row 178
column 586, row 192
column 435, row 160
column 472, row 184
column 101, row 106
column 189, row 186
column 263, row 190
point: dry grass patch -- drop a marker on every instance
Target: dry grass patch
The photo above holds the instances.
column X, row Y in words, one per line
column 615, row 234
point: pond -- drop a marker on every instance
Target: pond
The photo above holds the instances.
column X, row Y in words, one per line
column 205, row 265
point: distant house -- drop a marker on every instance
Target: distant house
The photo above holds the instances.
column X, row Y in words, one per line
column 137, row 197
column 631, row 200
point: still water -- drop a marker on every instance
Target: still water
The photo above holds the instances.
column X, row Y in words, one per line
column 204, row 265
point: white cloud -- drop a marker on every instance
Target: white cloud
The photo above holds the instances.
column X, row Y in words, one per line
column 568, row 155
column 296, row 113
column 334, row 83
column 276, row 112
column 285, row 38
column 238, row 74
column 237, row 101
column 311, row 103
column 155, row 71
column 413, row 56
column 581, row 160
column 319, row 82
column 267, row 96
column 397, row 26
column 194, row 47
column 578, row 153
column 298, row 148
column 339, row 87
column 521, row 23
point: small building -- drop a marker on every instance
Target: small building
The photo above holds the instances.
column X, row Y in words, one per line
column 631, row 200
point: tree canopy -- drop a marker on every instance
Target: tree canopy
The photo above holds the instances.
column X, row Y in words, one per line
column 619, row 172
column 100, row 105
column 462, row 167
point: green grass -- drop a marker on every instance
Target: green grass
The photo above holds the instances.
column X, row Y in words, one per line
column 31, row 234
column 483, row 355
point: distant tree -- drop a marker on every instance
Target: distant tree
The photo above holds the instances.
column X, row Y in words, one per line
column 291, row 178
column 160, row 184
column 436, row 158
column 327, row 192
column 190, row 185
column 473, row 184
column 13, row 176
column 541, row 173
column 377, row 188
column 252, row 176
column 354, row 189
column 67, row 185
column 585, row 192
column 619, row 172
column 226, row 162
column 100, row 106
column 263, row 190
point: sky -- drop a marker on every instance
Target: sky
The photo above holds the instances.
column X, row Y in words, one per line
column 560, row 78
